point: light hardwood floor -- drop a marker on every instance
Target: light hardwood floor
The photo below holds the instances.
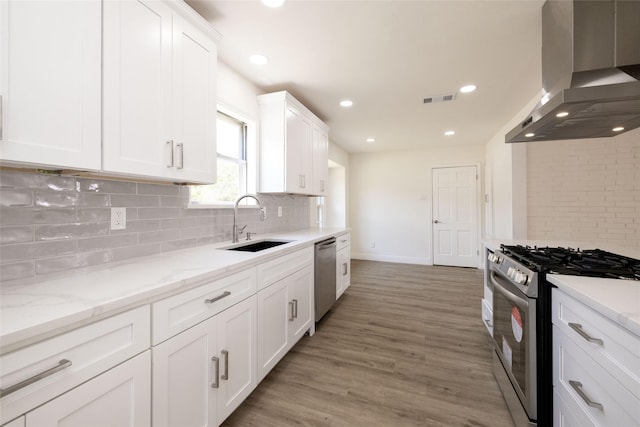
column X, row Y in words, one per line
column 404, row 346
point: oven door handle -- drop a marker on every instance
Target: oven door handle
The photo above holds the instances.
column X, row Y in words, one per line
column 514, row 298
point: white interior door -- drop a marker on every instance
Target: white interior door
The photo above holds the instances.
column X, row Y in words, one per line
column 455, row 216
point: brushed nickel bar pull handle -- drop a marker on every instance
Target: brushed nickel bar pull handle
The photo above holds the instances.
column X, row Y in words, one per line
column 578, row 328
column 216, row 362
column 291, row 311
column 180, row 150
column 218, row 298
column 295, row 308
column 225, row 376
column 170, row 144
column 62, row 364
column 577, row 386
column 345, row 267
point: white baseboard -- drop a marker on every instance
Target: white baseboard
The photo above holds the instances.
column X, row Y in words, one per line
column 392, row 258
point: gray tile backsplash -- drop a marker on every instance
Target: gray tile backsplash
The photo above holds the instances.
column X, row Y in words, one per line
column 52, row 223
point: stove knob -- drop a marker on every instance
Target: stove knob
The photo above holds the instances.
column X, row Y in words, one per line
column 521, row 278
column 510, row 272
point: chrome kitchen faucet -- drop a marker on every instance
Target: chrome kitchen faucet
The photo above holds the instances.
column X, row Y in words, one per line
column 236, row 231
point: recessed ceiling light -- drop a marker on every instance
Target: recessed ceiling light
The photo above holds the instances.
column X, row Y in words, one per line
column 450, row 132
column 273, row 3
column 529, row 135
column 258, row 59
column 562, row 114
column 346, row 103
column 618, row 129
column 468, row 88
column 371, row 140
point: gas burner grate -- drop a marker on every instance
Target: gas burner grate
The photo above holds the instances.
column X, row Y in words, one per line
column 574, row 261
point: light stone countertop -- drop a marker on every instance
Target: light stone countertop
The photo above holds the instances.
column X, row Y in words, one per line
column 619, row 300
column 37, row 308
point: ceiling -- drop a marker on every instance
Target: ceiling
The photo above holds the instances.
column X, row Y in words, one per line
column 387, row 56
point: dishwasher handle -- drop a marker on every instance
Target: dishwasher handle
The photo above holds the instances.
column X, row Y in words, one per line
column 326, row 244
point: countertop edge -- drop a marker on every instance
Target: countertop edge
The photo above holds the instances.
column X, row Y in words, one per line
column 571, row 285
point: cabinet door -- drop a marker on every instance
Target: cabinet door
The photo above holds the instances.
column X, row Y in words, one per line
column 18, row 422
column 194, row 104
column 119, row 397
column 50, row 83
column 237, row 350
column 137, row 87
column 343, row 271
column 184, row 375
column 320, row 171
column 298, row 152
column 301, row 297
column 272, row 326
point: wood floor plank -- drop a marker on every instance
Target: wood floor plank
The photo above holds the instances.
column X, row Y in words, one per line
column 404, row 346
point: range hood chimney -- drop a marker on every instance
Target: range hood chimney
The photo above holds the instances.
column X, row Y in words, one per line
column 590, row 72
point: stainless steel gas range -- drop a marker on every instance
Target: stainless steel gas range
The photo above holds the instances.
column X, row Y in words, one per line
column 522, row 318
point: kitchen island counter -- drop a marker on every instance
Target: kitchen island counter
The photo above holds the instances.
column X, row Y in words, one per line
column 36, row 308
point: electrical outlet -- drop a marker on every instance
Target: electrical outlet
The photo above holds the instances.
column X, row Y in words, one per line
column 279, row 211
column 118, row 218
column 372, row 245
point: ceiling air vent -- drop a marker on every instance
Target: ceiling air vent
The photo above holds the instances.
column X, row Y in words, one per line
column 439, row 98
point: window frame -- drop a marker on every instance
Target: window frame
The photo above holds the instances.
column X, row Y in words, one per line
column 248, row 176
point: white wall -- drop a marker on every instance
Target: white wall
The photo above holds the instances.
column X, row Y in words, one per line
column 505, row 183
column 336, row 202
column 585, row 190
column 236, row 92
column 390, row 201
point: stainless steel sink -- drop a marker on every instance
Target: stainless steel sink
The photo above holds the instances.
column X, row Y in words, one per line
column 257, row 246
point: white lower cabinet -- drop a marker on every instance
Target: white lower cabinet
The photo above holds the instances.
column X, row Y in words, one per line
column 119, row 397
column 202, row 374
column 596, row 363
column 284, row 315
column 343, row 264
column 18, row 422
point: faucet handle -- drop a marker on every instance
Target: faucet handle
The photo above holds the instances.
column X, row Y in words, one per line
column 241, row 229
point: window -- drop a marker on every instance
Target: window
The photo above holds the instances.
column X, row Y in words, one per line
column 231, row 181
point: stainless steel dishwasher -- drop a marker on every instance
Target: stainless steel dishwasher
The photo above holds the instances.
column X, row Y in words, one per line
column 325, row 276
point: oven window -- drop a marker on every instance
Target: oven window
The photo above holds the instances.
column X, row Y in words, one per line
column 511, row 335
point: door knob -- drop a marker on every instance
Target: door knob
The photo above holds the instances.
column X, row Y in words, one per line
column 435, row 221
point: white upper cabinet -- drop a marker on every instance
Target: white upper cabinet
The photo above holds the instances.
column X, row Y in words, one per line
column 289, row 154
column 159, row 94
column 194, row 104
column 320, row 173
column 50, row 83
column 126, row 88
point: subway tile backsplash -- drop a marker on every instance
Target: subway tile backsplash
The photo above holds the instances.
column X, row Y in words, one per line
column 51, row 223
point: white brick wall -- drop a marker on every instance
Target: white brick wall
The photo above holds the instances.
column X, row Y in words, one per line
column 585, row 190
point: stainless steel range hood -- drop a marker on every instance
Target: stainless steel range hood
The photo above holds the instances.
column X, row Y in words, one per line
column 590, row 71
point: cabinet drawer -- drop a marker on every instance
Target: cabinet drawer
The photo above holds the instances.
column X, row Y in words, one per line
column 277, row 269
column 64, row 361
column 618, row 350
column 568, row 414
column 578, row 378
column 179, row 312
column 343, row 241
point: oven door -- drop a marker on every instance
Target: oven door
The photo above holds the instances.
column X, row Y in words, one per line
column 514, row 338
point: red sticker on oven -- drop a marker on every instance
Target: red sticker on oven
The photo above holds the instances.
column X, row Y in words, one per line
column 516, row 324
